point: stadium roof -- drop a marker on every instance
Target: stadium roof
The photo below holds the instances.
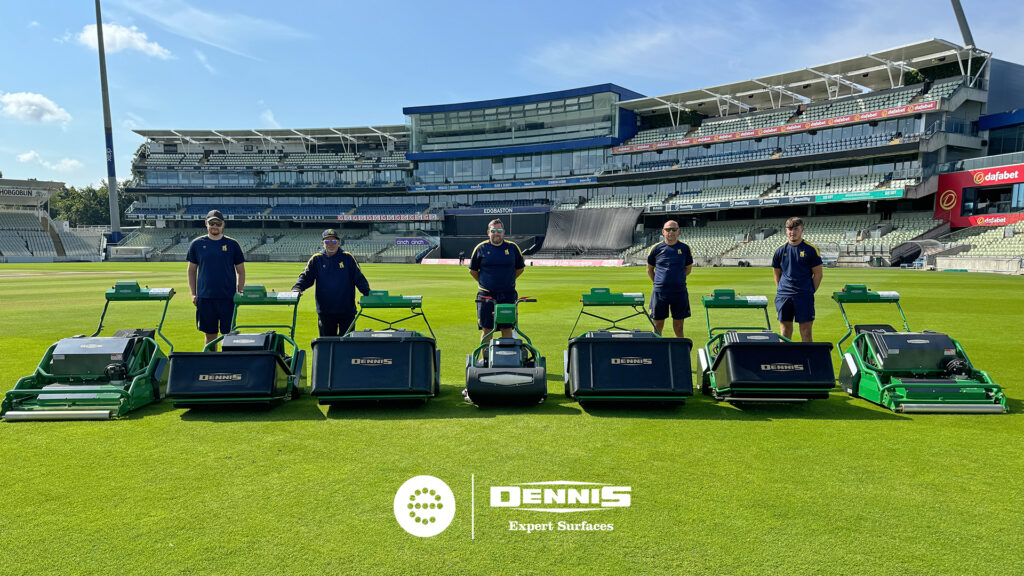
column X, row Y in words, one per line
column 876, row 71
column 624, row 94
column 356, row 135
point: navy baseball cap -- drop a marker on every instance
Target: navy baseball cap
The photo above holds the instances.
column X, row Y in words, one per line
column 330, row 233
column 214, row 215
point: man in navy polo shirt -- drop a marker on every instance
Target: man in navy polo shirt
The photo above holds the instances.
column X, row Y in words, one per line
column 668, row 265
column 495, row 265
column 798, row 271
column 337, row 275
column 216, row 271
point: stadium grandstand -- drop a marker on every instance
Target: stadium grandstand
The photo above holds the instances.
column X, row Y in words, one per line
column 861, row 148
column 27, row 234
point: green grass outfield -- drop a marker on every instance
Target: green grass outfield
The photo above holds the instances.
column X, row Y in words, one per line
column 831, row 487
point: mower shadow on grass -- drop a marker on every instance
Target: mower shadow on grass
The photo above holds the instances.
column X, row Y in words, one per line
column 1014, row 406
column 835, row 408
column 155, row 409
column 447, row 405
column 302, row 409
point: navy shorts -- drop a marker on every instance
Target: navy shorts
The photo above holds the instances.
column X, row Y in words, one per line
column 798, row 307
column 335, row 324
column 213, row 315
column 485, row 308
column 662, row 304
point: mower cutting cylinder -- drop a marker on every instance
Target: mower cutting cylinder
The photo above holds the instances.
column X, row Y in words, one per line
column 16, row 415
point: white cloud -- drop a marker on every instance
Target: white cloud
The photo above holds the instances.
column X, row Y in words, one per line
column 32, row 107
column 117, row 38
column 205, row 62
column 132, row 121
column 33, row 24
column 231, row 32
column 62, row 165
column 267, row 117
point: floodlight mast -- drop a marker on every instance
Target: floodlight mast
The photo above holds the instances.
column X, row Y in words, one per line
column 961, row 20
column 115, row 216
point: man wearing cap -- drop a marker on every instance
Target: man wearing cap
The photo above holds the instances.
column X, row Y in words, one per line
column 216, row 271
column 495, row 264
column 336, row 275
column 797, row 267
column 668, row 265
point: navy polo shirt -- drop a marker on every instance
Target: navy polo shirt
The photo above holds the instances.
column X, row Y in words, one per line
column 796, row 263
column 336, row 278
column 497, row 265
column 670, row 262
column 216, row 260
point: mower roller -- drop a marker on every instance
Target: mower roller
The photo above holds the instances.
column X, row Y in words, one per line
column 378, row 365
column 910, row 371
column 251, row 368
column 96, row 377
column 506, row 371
column 621, row 365
column 754, row 364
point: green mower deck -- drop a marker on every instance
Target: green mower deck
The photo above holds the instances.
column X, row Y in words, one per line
column 94, row 377
column 910, row 371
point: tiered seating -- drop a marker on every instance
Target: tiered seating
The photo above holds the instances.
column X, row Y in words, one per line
column 169, row 160
column 704, row 160
column 393, row 158
column 19, row 220
column 509, row 203
column 81, row 244
column 943, row 88
column 840, row 145
column 156, row 238
column 857, row 104
column 12, row 244
column 142, row 211
column 995, row 245
column 725, row 193
column 571, row 205
column 39, row 243
column 627, row 200
column 833, row 185
column 988, row 241
column 246, row 238
column 905, row 226
column 243, row 160
column 200, row 210
column 902, row 182
column 313, row 210
column 402, row 251
column 390, row 209
column 297, row 242
column 368, row 248
column 822, row 231
column 743, row 122
column 322, row 158
column 657, row 135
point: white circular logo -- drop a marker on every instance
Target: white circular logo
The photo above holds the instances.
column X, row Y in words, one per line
column 424, row 506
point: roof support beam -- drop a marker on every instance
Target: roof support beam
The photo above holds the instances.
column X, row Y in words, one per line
column 889, row 67
column 833, row 90
column 723, row 102
column 782, row 91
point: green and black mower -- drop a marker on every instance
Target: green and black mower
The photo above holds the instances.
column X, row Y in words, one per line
column 259, row 369
column 381, row 365
column 618, row 365
column 97, row 377
column 910, row 371
column 506, row 371
column 754, row 364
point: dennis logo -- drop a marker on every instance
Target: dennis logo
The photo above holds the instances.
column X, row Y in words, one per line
column 782, row 367
column 371, row 361
column 220, row 377
column 561, row 496
column 632, row 361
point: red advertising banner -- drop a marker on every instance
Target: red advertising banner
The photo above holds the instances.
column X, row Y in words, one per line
column 786, row 129
column 949, row 202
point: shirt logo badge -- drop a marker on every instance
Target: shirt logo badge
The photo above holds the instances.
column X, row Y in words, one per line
column 341, row 264
column 679, row 251
column 225, row 249
column 801, row 253
column 506, row 252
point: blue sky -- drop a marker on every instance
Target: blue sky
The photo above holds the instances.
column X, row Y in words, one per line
column 232, row 65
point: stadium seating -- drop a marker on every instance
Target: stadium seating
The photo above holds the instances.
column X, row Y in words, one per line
column 905, row 226
column 19, row 220
column 627, row 200
column 156, row 238
column 312, row 210
column 741, row 122
column 12, row 244
column 862, row 103
column 171, row 160
column 825, row 232
column 81, row 244
column 243, row 160
column 988, row 241
column 833, row 185
column 658, row 135
column 726, row 193
column 390, row 209
column 199, row 211
column 943, row 88
column 510, row 203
